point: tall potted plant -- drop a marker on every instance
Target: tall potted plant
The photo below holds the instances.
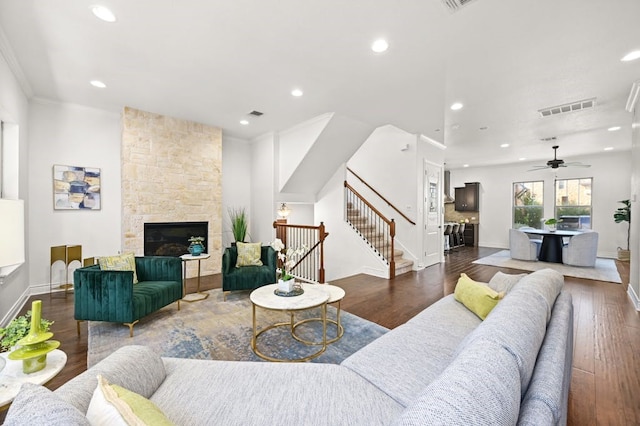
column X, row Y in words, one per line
column 238, row 218
column 623, row 214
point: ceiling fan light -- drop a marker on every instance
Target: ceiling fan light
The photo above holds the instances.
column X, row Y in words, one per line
column 103, row 13
column 631, row 56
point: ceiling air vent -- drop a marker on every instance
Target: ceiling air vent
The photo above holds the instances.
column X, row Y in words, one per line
column 455, row 5
column 549, row 139
column 562, row 109
column 256, row 113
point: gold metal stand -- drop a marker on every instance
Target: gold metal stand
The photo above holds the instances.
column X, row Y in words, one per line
column 291, row 325
column 339, row 328
column 198, row 295
column 67, row 255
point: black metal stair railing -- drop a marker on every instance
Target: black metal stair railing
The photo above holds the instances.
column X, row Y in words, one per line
column 378, row 231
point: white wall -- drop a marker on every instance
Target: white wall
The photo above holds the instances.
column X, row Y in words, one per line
column 263, row 205
column 345, row 253
column 72, row 135
column 610, row 172
column 383, row 164
column 14, row 108
column 236, row 181
column 634, row 273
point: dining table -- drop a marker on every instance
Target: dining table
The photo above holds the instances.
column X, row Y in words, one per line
column 551, row 248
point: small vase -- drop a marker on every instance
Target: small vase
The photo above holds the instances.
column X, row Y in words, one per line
column 286, row 286
column 196, row 248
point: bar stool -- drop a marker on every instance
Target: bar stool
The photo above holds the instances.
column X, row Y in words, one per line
column 447, row 235
column 461, row 234
column 454, row 236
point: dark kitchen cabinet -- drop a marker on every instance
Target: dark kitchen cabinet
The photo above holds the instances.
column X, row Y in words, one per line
column 468, row 197
column 470, row 234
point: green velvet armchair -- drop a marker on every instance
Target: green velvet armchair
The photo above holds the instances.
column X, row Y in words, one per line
column 112, row 296
column 247, row 277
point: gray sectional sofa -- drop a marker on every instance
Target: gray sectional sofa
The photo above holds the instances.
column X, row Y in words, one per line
column 443, row 367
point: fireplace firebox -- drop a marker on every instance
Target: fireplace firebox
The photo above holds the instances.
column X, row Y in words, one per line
column 172, row 238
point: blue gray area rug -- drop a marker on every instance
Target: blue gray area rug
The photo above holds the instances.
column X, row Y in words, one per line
column 215, row 329
column 605, row 269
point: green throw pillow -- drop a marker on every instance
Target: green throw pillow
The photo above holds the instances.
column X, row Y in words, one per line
column 114, row 405
column 478, row 297
column 248, row 254
column 121, row 262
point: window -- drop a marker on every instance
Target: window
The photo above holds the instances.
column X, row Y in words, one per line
column 528, row 205
column 573, row 203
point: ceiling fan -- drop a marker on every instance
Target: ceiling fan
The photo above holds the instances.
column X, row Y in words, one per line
column 556, row 162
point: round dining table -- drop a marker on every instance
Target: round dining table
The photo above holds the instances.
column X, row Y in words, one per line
column 551, row 248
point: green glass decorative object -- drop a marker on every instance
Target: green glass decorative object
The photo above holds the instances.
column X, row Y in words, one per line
column 34, row 347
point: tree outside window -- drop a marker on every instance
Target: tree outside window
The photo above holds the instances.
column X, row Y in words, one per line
column 528, row 204
column 573, row 203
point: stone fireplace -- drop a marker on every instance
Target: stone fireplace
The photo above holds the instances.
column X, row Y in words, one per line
column 172, row 238
column 171, row 172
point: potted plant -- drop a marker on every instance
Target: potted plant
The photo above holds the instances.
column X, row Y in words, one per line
column 288, row 258
column 19, row 328
column 623, row 214
column 552, row 223
column 238, row 217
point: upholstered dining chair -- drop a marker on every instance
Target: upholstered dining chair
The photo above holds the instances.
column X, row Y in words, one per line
column 582, row 250
column 522, row 248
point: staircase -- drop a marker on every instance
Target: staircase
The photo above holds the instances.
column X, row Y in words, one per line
column 378, row 241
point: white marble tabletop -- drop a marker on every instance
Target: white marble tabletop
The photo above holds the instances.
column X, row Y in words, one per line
column 314, row 295
column 189, row 256
column 335, row 293
column 12, row 377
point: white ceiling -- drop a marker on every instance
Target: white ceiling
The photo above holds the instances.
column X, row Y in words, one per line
column 215, row 61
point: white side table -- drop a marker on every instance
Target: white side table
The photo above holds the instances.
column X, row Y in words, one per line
column 198, row 295
column 12, row 377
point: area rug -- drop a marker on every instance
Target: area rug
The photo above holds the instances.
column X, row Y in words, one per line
column 605, row 269
column 215, row 329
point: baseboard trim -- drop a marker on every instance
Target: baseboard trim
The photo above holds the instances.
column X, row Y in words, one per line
column 375, row 272
column 32, row 290
column 634, row 297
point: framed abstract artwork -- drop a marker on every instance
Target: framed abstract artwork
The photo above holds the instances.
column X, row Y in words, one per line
column 76, row 188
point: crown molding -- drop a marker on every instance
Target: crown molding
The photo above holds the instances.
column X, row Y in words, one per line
column 14, row 65
column 632, row 100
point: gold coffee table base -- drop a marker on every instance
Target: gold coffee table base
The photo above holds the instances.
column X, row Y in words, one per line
column 291, row 325
column 194, row 297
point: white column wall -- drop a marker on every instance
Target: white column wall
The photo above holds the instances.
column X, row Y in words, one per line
column 634, row 273
column 236, row 181
column 610, row 172
column 263, row 183
column 72, row 135
column 14, row 108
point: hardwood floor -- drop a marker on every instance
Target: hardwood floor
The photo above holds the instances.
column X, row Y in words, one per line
column 605, row 385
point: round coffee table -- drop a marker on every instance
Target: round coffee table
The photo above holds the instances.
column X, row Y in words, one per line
column 12, row 377
column 264, row 297
column 336, row 294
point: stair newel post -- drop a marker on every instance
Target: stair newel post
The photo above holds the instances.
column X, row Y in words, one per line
column 321, row 237
column 392, row 261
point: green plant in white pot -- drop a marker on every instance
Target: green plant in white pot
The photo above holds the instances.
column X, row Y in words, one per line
column 19, row 328
column 239, row 223
column 552, row 223
column 623, row 214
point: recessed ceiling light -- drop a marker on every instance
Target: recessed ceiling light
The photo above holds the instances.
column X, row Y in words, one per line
column 103, row 13
column 521, row 159
column 456, row 106
column 631, row 56
column 465, row 165
column 609, row 148
column 98, row 84
column 244, row 122
column 614, row 128
column 380, row 46
column 504, row 145
column 296, row 92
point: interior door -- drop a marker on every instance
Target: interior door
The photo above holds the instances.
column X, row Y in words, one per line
column 433, row 211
